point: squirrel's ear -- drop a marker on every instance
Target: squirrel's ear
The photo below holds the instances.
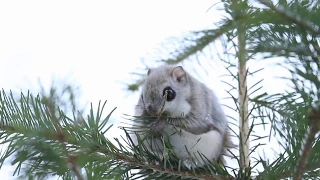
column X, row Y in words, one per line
column 149, row 71
column 178, row 73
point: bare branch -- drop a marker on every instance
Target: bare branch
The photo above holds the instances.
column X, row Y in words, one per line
column 243, row 98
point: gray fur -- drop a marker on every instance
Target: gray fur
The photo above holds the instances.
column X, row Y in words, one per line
column 204, row 112
column 202, row 100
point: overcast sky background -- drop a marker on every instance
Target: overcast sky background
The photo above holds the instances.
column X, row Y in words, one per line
column 96, row 44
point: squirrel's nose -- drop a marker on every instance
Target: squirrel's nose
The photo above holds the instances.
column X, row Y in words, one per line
column 152, row 110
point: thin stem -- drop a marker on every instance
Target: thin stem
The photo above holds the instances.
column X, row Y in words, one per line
column 244, row 125
column 73, row 167
column 314, row 117
column 243, row 99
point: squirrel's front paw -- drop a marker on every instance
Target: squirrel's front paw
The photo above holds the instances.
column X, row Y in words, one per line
column 190, row 164
column 157, row 126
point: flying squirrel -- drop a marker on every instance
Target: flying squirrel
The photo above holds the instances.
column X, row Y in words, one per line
column 195, row 123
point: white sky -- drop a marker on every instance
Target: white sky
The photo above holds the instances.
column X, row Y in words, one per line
column 96, row 44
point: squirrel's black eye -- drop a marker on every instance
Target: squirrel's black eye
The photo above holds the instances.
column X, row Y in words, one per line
column 171, row 93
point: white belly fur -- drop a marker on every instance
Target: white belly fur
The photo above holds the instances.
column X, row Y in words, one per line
column 209, row 144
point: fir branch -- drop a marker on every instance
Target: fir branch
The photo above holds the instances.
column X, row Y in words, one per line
column 135, row 86
column 291, row 16
column 73, row 140
column 314, row 117
column 195, row 42
column 284, row 50
column 120, row 156
column 287, row 114
column 205, row 38
column 199, row 40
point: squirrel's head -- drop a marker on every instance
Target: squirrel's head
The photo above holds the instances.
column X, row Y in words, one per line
column 171, row 79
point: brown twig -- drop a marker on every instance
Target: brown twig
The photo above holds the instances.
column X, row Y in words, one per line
column 62, row 139
column 71, row 160
column 314, row 117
